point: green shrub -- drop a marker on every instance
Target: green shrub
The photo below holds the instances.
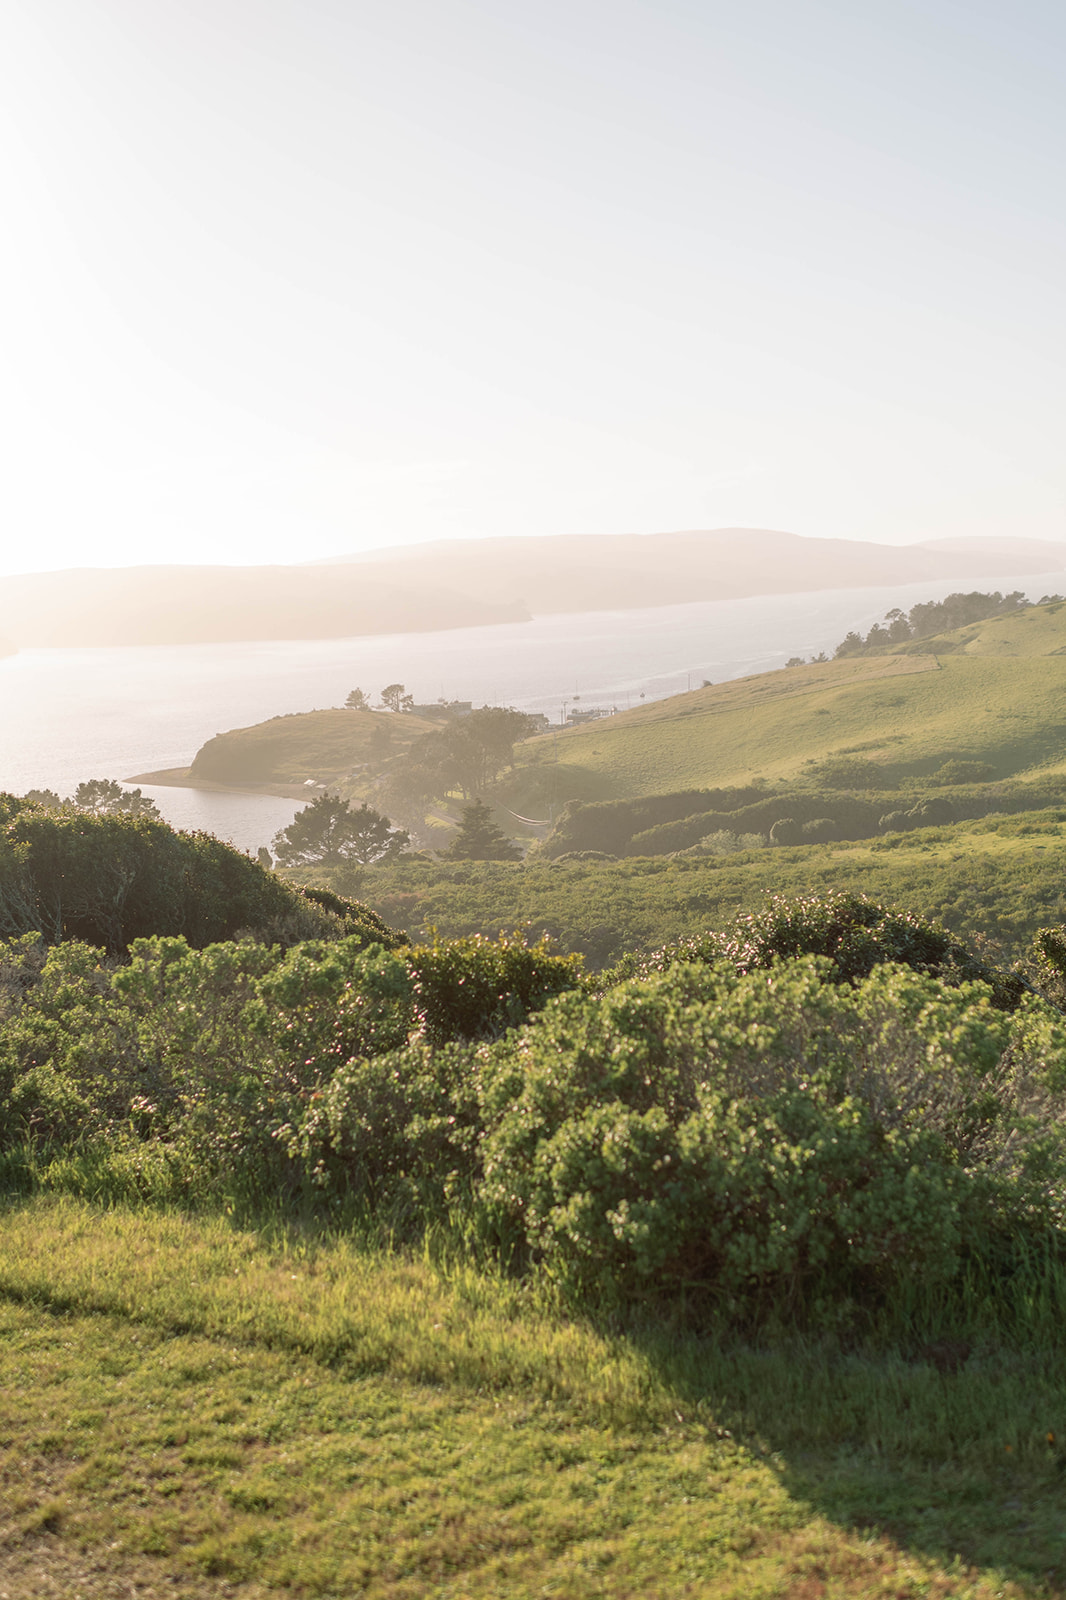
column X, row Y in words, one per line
column 396, row 1134
column 356, row 918
column 775, row 1138
column 854, row 932
column 476, row 988
column 108, row 880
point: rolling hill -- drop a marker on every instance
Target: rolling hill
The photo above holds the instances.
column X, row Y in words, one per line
column 993, row 693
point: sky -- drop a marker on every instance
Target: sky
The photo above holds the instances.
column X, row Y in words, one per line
column 291, row 278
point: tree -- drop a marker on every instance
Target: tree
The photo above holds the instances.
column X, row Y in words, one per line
column 98, row 795
column 47, row 799
column 103, row 797
column 357, row 701
column 395, row 698
column 471, row 751
column 479, row 839
column 328, row 833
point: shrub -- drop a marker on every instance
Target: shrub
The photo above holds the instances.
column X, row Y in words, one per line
column 724, row 843
column 849, row 772
column 476, row 988
column 775, row 1138
column 957, row 771
column 855, row 933
column 111, row 879
column 820, row 829
column 355, row 918
column 397, row 1133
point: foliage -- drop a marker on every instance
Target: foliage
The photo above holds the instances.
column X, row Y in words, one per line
column 395, row 698
column 111, row 879
column 330, row 831
column 479, row 839
column 46, row 798
column 998, row 879
column 356, row 701
column 611, row 825
column 854, row 934
column 931, row 617
column 956, row 771
column 476, row 988
column 220, row 1054
column 724, row 842
column 355, row 918
column 396, row 1134
column 777, row 1138
column 848, row 772
column 105, row 797
column 467, row 754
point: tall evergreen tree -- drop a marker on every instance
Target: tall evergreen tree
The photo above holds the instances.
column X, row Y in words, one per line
column 479, row 839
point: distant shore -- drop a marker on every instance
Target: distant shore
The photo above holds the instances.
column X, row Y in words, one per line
column 182, row 778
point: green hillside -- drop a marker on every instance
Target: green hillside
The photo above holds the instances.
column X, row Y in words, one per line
column 332, row 747
column 994, row 693
column 999, row 878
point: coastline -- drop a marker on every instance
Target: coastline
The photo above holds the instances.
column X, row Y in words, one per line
column 182, row 778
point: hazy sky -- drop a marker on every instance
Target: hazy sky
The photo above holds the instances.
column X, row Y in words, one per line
column 285, row 278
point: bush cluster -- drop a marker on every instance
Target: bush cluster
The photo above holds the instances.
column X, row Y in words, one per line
column 112, row 879
column 800, row 1114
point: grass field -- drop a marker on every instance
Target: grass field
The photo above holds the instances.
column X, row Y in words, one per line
column 1001, row 878
column 1004, row 711
column 330, row 746
column 190, row 1408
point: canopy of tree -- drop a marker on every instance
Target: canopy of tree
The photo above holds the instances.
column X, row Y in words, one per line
column 329, row 831
column 931, row 617
column 109, row 879
column 479, row 839
column 467, row 754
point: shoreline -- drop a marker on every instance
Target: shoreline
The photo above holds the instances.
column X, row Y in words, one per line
column 182, row 778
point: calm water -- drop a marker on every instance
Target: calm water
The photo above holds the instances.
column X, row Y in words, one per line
column 66, row 715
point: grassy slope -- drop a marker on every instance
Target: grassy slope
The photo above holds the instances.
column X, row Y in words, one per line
column 188, row 1406
column 1010, row 713
column 993, row 692
column 324, row 745
column 1000, row 877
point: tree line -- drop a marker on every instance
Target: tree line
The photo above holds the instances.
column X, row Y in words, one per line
column 100, row 797
column 930, row 617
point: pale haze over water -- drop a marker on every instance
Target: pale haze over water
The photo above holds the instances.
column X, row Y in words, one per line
column 67, row 715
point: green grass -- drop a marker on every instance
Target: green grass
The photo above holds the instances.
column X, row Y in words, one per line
column 329, row 746
column 992, row 693
column 1003, row 711
column 999, row 878
column 188, row 1404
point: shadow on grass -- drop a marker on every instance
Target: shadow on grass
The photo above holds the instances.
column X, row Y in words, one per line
column 954, row 1465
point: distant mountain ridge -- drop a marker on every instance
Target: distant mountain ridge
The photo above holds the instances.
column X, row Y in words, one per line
column 101, row 606
column 573, row 572
column 473, row 582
